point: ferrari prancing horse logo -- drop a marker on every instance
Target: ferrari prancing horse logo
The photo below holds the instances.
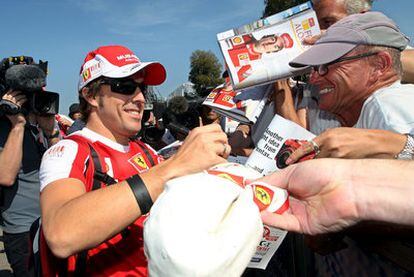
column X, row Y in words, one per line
column 139, row 163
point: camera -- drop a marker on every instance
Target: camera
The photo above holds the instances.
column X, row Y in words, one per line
column 22, row 74
column 179, row 118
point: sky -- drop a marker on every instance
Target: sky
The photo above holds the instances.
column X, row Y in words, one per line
column 63, row 32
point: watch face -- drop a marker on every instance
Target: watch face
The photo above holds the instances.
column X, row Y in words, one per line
column 405, row 156
column 408, row 152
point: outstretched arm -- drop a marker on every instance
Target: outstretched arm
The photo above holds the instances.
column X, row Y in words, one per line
column 329, row 195
column 353, row 143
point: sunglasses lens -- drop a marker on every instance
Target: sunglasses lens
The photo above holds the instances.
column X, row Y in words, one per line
column 124, row 87
column 143, row 87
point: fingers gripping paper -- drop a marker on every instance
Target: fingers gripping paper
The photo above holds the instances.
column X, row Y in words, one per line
column 204, row 224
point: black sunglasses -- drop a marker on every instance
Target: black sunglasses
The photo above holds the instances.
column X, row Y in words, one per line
column 124, row 86
column 323, row 68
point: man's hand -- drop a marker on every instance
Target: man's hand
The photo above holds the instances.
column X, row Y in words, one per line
column 311, row 40
column 352, row 143
column 65, row 122
column 17, row 98
column 322, row 197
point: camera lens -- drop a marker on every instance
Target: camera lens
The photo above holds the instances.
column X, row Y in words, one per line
column 41, row 104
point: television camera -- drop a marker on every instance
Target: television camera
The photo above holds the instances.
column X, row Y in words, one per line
column 21, row 73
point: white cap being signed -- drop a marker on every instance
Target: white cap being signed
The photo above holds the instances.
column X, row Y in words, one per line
column 204, row 224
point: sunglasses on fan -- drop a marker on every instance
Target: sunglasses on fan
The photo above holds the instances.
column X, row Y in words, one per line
column 125, row 86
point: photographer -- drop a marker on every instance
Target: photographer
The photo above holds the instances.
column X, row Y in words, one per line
column 178, row 119
column 24, row 136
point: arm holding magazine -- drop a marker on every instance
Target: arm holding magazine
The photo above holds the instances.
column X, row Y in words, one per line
column 285, row 103
column 353, row 143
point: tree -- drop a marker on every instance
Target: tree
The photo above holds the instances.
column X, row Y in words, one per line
column 205, row 71
column 275, row 6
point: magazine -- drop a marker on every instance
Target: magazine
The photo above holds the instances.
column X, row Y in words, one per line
column 270, row 20
column 244, row 106
column 279, row 140
column 260, row 53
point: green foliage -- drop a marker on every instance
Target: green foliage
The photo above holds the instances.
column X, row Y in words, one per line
column 275, row 6
column 205, row 71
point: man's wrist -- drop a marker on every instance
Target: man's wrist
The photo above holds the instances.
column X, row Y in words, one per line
column 18, row 126
column 385, row 144
column 381, row 194
column 407, row 152
column 356, row 186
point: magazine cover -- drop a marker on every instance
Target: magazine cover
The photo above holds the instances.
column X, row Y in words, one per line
column 270, row 20
column 279, row 140
column 244, row 106
column 262, row 55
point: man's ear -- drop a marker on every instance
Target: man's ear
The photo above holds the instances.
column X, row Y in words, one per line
column 383, row 62
column 89, row 97
column 380, row 64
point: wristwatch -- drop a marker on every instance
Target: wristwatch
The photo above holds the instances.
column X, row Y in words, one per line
column 408, row 151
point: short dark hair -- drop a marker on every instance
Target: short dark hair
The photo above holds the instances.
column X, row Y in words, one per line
column 84, row 106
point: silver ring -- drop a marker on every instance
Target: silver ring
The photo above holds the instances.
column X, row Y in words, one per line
column 315, row 147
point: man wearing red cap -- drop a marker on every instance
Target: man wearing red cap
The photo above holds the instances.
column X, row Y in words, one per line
column 82, row 213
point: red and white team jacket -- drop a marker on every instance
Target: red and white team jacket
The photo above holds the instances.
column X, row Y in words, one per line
column 71, row 159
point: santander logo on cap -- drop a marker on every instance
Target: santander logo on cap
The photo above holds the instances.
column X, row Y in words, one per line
column 118, row 55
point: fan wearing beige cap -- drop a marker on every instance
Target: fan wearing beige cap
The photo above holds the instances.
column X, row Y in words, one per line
column 357, row 67
column 98, row 184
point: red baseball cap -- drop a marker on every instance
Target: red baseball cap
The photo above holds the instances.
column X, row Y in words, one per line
column 287, row 40
column 115, row 61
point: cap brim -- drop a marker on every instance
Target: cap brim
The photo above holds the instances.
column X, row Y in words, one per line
column 155, row 73
column 322, row 54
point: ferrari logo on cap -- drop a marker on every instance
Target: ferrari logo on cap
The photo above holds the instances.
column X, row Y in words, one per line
column 139, row 163
column 86, row 74
column 262, row 196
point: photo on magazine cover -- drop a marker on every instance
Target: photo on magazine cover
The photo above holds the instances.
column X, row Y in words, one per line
column 263, row 55
column 245, row 49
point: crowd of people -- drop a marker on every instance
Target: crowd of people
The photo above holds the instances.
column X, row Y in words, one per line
column 98, row 175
